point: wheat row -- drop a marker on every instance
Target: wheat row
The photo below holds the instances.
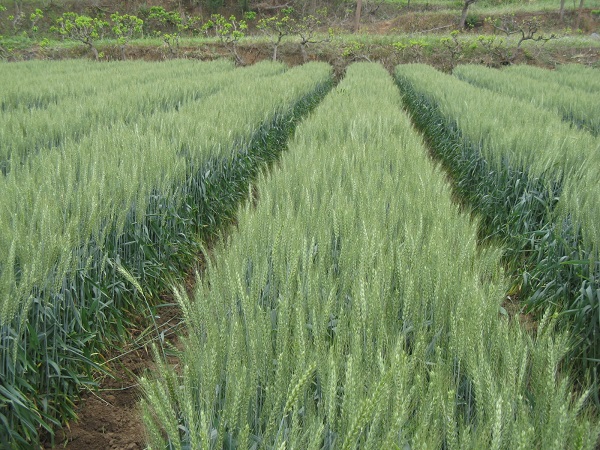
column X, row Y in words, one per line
column 353, row 308
column 95, row 221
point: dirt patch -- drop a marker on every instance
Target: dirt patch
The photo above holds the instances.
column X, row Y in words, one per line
column 109, row 418
column 516, row 311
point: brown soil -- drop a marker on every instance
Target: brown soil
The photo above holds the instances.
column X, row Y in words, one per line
column 110, row 418
column 515, row 310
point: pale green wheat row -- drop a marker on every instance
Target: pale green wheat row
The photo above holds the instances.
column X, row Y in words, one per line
column 515, row 133
column 352, row 309
column 573, row 75
column 571, row 103
column 42, row 84
column 81, row 218
column 87, row 188
column 126, row 95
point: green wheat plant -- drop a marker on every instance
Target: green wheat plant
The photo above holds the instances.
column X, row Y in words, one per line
column 59, row 113
column 575, row 105
column 531, row 178
column 134, row 193
column 576, row 76
column 353, row 309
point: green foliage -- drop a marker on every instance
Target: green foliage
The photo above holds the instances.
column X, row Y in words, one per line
column 194, row 25
column 454, row 46
column 34, row 19
column 580, row 107
column 2, row 49
column 16, row 21
column 229, row 31
column 497, row 50
column 170, row 27
column 126, row 27
column 472, row 21
column 532, row 179
column 578, row 76
column 95, row 236
column 352, row 49
column 399, row 46
column 80, row 28
column 277, row 27
column 308, row 27
column 414, row 48
column 333, row 318
column 166, row 18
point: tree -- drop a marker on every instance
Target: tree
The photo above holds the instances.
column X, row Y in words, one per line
column 578, row 22
column 2, row 9
column 34, row 18
column 463, row 16
column 308, row 27
column 162, row 20
column 277, row 27
column 528, row 29
column 83, row 29
column 2, row 49
column 229, row 31
column 171, row 21
column 454, row 47
column 357, row 16
column 16, row 21
column 125, row 28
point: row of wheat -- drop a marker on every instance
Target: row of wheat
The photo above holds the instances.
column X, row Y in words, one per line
column 533, row 178
column 105, row 189
column 49, row 105
column 574, row 104
column 354, row 309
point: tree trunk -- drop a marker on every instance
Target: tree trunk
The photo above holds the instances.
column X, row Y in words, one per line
column 357, row 16
column 303, row 51
column 95, row 52
column 561, row 12
column 579, row 15
column 463, row 16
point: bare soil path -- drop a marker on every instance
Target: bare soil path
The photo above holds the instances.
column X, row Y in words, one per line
column 110, row 418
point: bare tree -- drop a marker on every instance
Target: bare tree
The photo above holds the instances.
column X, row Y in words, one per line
column 463, row 16
column 307, row 29
column 561, row 12
column 579, row 15
column 357, row 15
column 528, row 29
